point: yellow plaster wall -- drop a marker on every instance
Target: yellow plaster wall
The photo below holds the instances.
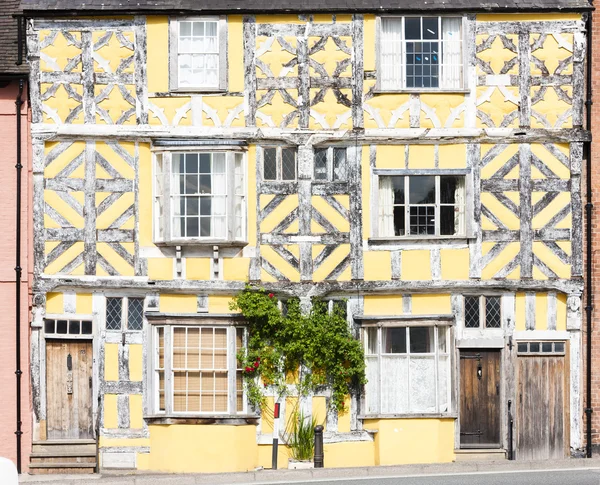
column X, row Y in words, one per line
column 366, row 192
column 382, row 304
column 200, row 449
column 146, row 174
column 416, row 265
column 111, row 362
column 160, row 268
column 561, row 311
column 136, row 362
column 455, row 264
column 369, row 27
column 377, row 265
column 55, row 303
column 520, row 311
column 157, row 38
column 349, row 454
column 110, row 411
column 219, row 304
column 541, row 311
column 136, row 411
column 236, row 269
column 83, row 303
column 178, row 303
column 404, row 441
column 427, row 304
column 197, row 268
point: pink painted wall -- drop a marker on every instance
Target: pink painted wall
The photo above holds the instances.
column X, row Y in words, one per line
column 7, row 275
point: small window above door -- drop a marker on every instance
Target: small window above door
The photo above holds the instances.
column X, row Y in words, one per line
column 483, row 312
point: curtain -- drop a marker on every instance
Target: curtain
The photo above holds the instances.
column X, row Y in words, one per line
column 391, row 53
column 176, row 221
column 386, row 207
column 459, row 214
column 219, row 198
column 451, row 53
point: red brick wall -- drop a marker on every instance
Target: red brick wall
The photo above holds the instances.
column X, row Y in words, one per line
column 7, row 276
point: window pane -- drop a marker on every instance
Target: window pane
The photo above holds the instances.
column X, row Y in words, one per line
column 422, row 189
column 547, row 347
column 339, row 164
column 321, row 164
column 492, row 312
column 74, row 327
column 394, row 384
column 471, row 311
column 372, row 386
column 412, row 28
column 399, row 220
column 442, row 339
column 371, row 341
column 534, row 347
column 449, row 215
column 422, row 384
column 113, row 313
column 444, row 383
column 559, row 346
column 394, row 340
column 135, row 314
column 205, row 166
column 61, row 326
column 422, row 220
column 398, row 188
column 449, row 185
column 288, row 164
column 86, row 327
column 421, row 340
column 49, row 326
column 431, row 28
column 522, row 347
column 270, row 164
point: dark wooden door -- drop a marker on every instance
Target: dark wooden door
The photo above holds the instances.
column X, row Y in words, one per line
column 69, row 389
column 542, row 401
column 479, row 398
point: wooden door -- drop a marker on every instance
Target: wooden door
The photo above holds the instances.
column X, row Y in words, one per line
column 542, row 401
column 69, row 389
column 479, row 398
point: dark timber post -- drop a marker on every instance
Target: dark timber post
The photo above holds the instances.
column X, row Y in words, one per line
column 319, row 456
column 275, row 436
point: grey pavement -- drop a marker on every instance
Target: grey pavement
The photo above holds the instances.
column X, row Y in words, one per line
column 555, row 472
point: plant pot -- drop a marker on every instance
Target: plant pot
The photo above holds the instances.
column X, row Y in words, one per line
column 300, row 465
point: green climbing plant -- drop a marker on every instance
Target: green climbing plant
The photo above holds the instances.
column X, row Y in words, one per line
column 312, row 350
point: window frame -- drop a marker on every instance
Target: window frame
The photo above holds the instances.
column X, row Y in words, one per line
column 467, row 208
column 330, row 165
column 232, row 370
column 278, row 163
column 448, row 354
column 124, row 313
column 402, row 87
column 162, row 230
column 482, row 311
column 174, row 54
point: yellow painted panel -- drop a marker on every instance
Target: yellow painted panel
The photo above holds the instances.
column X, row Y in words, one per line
column 510, row 220
column 520, row 17
column 236, row 269
column 111, row 362
column 117, row 208
column 123, row 442
column 197, row 268
column 157, row 67
column 377, row 265
column 68, row 256
column 136, row 362
column 265, row 456
column 500, row 261
column 496, row 54
column 330, row 263
column 282, row 210
column 390, row 156
column 83, row 303
column 266, row 277
column 499, row 160
column 350, row 454
column 552, row 108
column 498, row 104
column 366, row 192
column 50, row 223
column 63, row 208
column 146, row 172
column 344, row 417
column 136, row 411
column 561, row 311
column 416, row 265
column 421, row 156
column 115, row 105
column 177, row 111
column 333, row 216
column 369, row 26
column 319, row 410
column 267, row 416
column 441, row 110
column 116, row 161
column 548, row 257
column 278, row 262
column 61, row 50
column 452, row 156
column 219, row 304
column 110, row 411
column 541, row 311
column 520, row 312
column 455, row 264
column 403, row 441
column 382, row 305
column 329, row 113
column 552, row 52
column 273, row 113
column 55, row 303
column 178, row 303
column 431, row 304
column 61, row 103
column 551, row 161
column 225, row 110
column 160, row 268
column 542, row 218
column 108, row 58
column 235, row 50
column 122, row 267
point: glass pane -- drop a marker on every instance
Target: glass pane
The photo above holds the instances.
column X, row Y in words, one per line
column 270, row 164
column 372, row 386
column 422, row 220
column 534, row 347
column 431, row 29
column 422, row 189
column 522, row 347
column 559, row 347
column 191, row 163
column 442, row 339
column 113, row 313
column 61, row 326
column 394, row 340
column 394, row 384
column 339, row 164
column 547, row 347
column 492, row 312
column 135, row 314
column 399, row 220
column 422, row 384
column 421, row 340
column 471, row 312
column 288, row 164
column 74, row 327
column 398, row 188
column 371, row 341
column 444, row 383
column 321, row 164
column 86, row 327
column 205, row 163
column 412, row 28
column 49, row 326
column 450, row 186
column 448, row 220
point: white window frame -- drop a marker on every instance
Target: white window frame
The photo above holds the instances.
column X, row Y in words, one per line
column 482, row 312
column 466, row 209
column 174, row 81
column 278, row 162
column 163, row 223
column 401, row 87
column 124, row 313
column 330, row 164
column 380, row 355
column 232, row 370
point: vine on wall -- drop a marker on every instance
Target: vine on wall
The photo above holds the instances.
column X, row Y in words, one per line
column 310, row 351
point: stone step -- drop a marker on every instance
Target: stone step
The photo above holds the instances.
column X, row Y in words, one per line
column 61, row 468
column 480, row 454
column 64, row 446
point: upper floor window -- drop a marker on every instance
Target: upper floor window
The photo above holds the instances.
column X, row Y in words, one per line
column 198, row 54
column 280, row 164
column 483, row 312
column 420, row 53
column 199, row 195
column 422, row 205
column 124, row 313
column 330, row 164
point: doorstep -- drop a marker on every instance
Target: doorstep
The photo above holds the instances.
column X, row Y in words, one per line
column 480, row 454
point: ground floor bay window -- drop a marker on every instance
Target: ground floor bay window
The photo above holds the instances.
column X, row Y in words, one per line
column 408, row 368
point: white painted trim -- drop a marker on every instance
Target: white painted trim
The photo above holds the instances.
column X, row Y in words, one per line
column 542, row 335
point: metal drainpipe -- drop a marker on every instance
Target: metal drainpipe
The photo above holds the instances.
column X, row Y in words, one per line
column 588, row 229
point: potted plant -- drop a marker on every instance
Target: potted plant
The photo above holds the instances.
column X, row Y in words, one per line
column 301, row 441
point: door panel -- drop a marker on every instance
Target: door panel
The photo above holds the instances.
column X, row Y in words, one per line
column 479, row 398
column 541, row 399
column 69, row 390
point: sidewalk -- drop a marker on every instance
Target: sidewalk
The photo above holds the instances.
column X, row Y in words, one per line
column 290, row 476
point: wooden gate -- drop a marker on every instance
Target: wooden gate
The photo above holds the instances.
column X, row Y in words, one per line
column 69, row 389
column 479, row 398
column 542, row 407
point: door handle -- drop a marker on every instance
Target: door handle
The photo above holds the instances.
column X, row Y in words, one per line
column 90, row 381
column 497, row 389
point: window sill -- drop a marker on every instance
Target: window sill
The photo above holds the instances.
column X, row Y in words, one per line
column 422, row 91
column 375, row 241
column 198, row 90
column 202, row 242
column 409, row 416
column 231, row 420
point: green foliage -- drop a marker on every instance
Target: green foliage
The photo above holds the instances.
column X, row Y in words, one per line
column 301, row 437
column 315, row 351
